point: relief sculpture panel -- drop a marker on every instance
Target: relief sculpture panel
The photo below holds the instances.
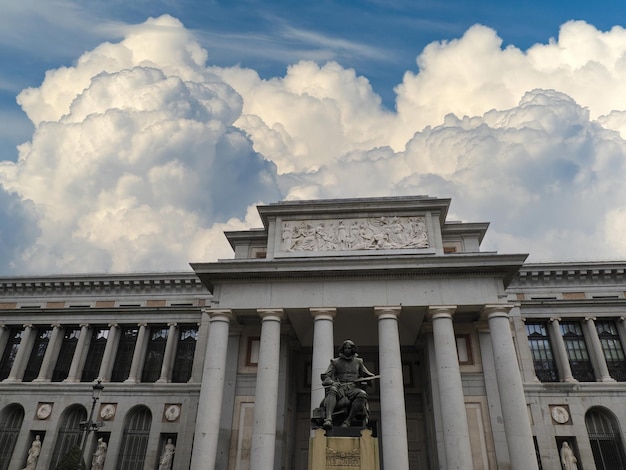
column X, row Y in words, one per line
column 374, row 233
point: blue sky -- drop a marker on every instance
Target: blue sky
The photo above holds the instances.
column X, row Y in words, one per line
column 132, row 112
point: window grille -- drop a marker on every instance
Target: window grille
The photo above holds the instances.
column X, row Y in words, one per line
column 70, row 433
column 135, row 439
column 577, row 353
column 541, row 349
column 11, row 420
column 606, row 441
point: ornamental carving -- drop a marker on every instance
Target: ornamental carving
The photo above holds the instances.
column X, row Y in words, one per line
column 376, row 233
column 336, row 458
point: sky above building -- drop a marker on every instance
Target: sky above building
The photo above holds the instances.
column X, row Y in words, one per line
column 134, row 133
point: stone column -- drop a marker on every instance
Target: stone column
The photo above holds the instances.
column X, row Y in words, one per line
column 453, row 414
column 264, row 422
column 600, row 368
column 211, row 391
column 322, row 351
column 106, row 366
column 561, row 352
column 74, row 372
column 621, row 330
column 519, row 436
column 5, row 333
column 23, row 351
column 392, row 408
column 52, row 350
column 137, row 363
column 168, row 355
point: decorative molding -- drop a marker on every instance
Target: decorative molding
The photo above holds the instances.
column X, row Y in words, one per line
column 356, row 234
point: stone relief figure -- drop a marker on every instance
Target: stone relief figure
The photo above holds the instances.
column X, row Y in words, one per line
column 99, row 456
column 568, row 459
column 165, row 462
column 345, row 381
column 33, row 454
column 354, row 234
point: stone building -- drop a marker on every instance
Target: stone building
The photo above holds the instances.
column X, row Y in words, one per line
column 485, row 361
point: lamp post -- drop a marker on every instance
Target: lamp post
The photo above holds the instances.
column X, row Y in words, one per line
column 90, row 425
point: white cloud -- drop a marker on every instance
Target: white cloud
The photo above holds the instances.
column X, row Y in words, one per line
column 143, row 153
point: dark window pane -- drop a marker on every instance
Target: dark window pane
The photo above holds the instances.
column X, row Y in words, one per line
column 612, row 348
column 541, row 349
column 11, row 420
column 10, row 350
column 185, row 351
column 36, row 355
column 66, row 354
column 154, row 354
column 581, row 366
column 124, row 356
column 94, row 356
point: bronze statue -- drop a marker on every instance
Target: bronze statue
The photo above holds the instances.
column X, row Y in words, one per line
column 345, row 381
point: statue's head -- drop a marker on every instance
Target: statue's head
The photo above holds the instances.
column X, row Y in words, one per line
column 348, row 349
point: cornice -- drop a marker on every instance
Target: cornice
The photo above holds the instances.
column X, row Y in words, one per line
column 550, row 274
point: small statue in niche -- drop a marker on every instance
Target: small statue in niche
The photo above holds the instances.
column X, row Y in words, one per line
column 345, row 381
column 33, row 454
column 568, row 459
column 97, row 460
column 165, row 462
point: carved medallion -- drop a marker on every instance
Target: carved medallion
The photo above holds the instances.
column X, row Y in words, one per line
column 172, row 412
column 560, row 414
column 107, row 411
column 44, row 410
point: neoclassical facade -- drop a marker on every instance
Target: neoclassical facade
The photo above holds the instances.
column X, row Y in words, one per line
column 485, row 361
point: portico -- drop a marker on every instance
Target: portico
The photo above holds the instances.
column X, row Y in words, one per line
column 382, row 273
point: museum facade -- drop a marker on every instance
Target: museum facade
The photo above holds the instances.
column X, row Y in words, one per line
column 485, row 361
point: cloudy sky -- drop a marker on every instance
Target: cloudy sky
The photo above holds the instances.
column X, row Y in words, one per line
column 134, row 133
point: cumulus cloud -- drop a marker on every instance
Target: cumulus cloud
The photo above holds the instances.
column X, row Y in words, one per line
column 143, row 152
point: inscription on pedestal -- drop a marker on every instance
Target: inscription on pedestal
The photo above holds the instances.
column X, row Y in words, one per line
column 336, row 460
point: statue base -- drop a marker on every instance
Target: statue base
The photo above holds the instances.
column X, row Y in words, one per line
column 344, row 449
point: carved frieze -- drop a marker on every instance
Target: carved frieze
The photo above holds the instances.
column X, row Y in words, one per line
column 339, row 459
column 374, row 233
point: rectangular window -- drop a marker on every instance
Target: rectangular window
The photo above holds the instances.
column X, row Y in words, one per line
column 36, row 355
column 185, row 351
column 66, row 354
column 577, row 352
column 94, row 355
column 154, row 353
column 124, row 356
column 541, row 350
column 10, row 351
column 613, row 349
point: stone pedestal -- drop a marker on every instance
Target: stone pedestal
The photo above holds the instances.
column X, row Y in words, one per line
column 339, row 452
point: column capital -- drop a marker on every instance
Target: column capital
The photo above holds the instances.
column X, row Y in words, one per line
column 172, row 323
column 114, row 325
column 440, row 311
column 383, row 313
column 555, row 319
column 55, row 325
column 27, row 325
column 219, row 314
column 590, row 318
column 323, row 313
column 496, row 310
column 271, row 314
column 84, row 325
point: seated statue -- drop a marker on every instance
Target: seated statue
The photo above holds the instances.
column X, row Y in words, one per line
column 345, row 381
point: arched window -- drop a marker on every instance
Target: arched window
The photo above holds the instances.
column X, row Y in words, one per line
column 605, row 438
column 11, row 419
column 135, row 439
column 70, row 434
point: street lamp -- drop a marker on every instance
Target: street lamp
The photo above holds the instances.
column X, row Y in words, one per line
column 90, row 425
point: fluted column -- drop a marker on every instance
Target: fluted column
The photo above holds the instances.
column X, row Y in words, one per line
column 170, row 345
column 106, row 366
column 138, row 353
column 211, row 391
column 264, row 425
column 599, row 362
column 52, row 350
column 74, row 372
column 19, row 363
column 453, row 414
column 392, row 408
column 519, row 435
column 563, row 359
column 322, row 351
